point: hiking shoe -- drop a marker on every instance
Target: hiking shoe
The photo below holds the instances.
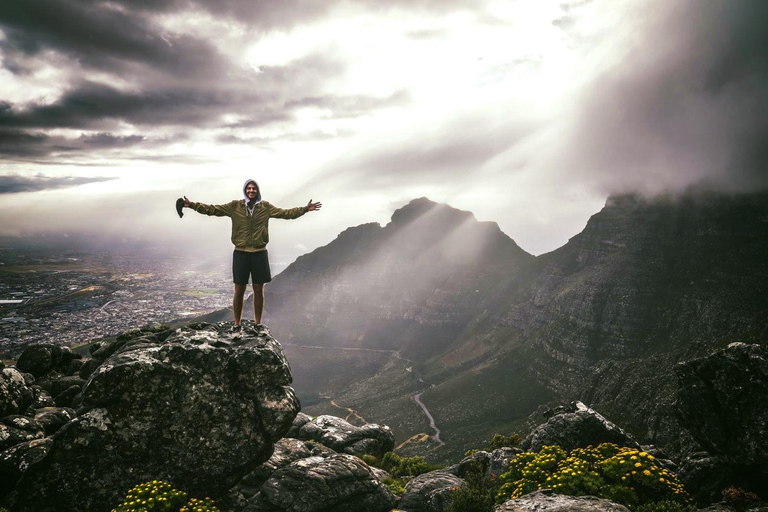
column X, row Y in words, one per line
column 236, row 331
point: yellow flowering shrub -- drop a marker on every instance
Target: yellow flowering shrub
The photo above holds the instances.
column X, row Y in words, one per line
column 159, row 496
column 623, row 475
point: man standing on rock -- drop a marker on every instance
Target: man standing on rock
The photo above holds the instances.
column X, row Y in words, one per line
column 250, row 234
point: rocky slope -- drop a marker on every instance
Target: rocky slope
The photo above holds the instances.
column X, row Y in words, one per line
column 489, row 333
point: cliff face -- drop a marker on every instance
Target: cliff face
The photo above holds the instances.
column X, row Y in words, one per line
column 494, row 332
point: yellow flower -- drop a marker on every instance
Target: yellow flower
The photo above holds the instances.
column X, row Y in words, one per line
column 647, row 473
column 637, row 464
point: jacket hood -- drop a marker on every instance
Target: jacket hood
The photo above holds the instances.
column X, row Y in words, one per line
column 258, row 192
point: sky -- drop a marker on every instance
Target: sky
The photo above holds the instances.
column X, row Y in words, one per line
column 528, row 113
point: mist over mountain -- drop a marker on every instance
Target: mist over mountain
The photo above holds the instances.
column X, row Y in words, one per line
column 438, row 303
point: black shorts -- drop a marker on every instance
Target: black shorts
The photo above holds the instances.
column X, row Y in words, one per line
column 253, row 264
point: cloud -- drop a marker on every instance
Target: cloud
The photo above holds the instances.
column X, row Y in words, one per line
column 12, row 184
column 687, row 105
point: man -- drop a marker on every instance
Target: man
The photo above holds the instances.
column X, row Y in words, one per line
column 250, row 234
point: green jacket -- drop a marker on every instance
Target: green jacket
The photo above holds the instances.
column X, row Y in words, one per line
column 249, row 232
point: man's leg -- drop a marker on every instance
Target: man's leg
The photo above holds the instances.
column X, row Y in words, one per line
column 237, row 302
column 258, row 302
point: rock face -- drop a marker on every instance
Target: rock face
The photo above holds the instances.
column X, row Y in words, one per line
column 287, row 450
column 338, row 483
column 344, row 437
column 546, row 501
column 429, row 492
column 15, row 395
column 197, row 408
column 15, row 461
column 576, row 427
column 723, row 402
column 42, row 360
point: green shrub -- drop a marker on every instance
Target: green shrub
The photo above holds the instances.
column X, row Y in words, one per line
column 500, row 441
column 368, row 459
column 739, row 498
column 624, row 475
column 396, row 465
column 159, row 496
column 477, row 493
column 395, row 485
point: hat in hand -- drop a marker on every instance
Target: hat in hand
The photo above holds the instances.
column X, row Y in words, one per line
column 179, row 206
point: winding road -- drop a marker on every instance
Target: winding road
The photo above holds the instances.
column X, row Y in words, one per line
column 417, row 398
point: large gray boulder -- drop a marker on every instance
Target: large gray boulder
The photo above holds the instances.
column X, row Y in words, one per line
column 42, row 360
column 337, row 483
column 199, row 408
column 15, row 395
column 15, row 461
column 723, row 402
column 343, row 437
column 546, row 501
column 577, row 427
column 287, row 451
column 16, row 429
column 429, row 492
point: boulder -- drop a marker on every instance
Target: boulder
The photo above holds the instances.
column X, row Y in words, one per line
column 41, row 398
column 493, row 463
column 198, row 409
column 53, row 418
column 547, row 501
column 45, row 359
column 15, row 395
column 342, row 436
column 577, row 429
column 704, row 477
column 15, row 461
column 338, row 483
column 16, row 429
column 428, row 492
column 58, row 386
column 66, row 397
column 287, row 450
column 723, row 402
column 299, row 421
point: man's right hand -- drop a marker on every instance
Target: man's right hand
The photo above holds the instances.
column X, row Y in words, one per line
column 187, row 202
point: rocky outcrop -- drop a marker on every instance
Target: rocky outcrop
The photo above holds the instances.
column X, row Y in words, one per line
column 15, row 461
column 299, row 421
column 46, row 361
column 342, row 436
column 723, row 402
column 338, row 483
column 16, row 429
column 492, row 463
column 429, row 492
column 15, row 395
column 287, row 451
column 197, row 408
column 547, row 501
column 576, row 426
column 53, row 418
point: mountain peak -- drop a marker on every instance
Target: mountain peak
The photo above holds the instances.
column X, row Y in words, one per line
column 418, row 207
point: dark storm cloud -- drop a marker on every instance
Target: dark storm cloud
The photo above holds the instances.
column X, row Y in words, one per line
column 12, row 184
column 102, row 38
column 17, row 143
column 688, row 105
column 107, row 140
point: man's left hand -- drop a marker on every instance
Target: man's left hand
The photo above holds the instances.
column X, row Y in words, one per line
column 314, row 206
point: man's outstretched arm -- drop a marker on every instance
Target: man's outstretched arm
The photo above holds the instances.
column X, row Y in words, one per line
column 219, row 210
column 293, row 213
